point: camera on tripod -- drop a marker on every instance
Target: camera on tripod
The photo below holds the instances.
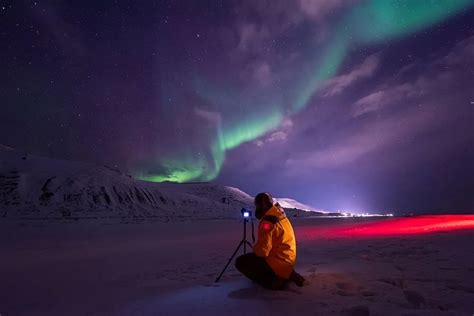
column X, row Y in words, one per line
column 246, row 216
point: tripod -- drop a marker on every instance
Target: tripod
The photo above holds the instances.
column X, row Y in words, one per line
column 246, row 216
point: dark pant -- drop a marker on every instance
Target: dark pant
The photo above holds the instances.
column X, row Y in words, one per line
column 256, row 269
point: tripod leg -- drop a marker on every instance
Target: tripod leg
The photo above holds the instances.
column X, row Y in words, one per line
column 228, row 262
column 245, row 235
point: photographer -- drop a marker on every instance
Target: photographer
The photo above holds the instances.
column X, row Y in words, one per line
column 274, row 254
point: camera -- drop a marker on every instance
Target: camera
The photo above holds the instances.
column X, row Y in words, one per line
column 245, row 213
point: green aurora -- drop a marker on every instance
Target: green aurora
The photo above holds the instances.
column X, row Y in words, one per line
column 367, row 23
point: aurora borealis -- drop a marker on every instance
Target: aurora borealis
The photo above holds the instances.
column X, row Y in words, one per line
column 325, row 101
column 367, row 22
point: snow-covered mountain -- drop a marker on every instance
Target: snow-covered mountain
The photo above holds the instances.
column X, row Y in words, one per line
column 293, row 204
column 38, row 187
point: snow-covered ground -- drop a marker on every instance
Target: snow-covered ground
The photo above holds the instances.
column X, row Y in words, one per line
column 93, row 268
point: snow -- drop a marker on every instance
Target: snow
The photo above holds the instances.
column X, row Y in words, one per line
column 291, row 203
column 93, row 268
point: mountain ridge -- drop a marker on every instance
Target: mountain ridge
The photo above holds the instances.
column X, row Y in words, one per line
column 34, row 187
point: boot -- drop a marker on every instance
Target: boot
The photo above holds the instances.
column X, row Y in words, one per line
column 297, row 278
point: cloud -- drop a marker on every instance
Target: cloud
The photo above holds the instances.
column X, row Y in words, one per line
column 430, row 103
column 320, row 9
column 212, row 117
column 278, row 136
column 251, row 36
column 381, row 98
column 371, row 137
column 436, row 77
column 259, row 22
column 263, row 74
column 258, row 73
column 462, row 53
column 365, row 70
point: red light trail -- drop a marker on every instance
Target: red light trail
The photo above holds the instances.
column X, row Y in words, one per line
column 393, row 227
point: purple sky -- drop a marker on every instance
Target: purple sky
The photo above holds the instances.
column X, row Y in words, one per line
column 127, row 84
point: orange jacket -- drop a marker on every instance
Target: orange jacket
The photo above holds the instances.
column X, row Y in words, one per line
column 276, row 242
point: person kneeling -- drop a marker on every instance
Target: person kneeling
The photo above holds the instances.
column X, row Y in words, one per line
column 271, row 264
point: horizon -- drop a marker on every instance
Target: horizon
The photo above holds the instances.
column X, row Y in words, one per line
column 289, row 202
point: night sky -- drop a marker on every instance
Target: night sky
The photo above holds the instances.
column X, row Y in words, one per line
column 345, row 105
